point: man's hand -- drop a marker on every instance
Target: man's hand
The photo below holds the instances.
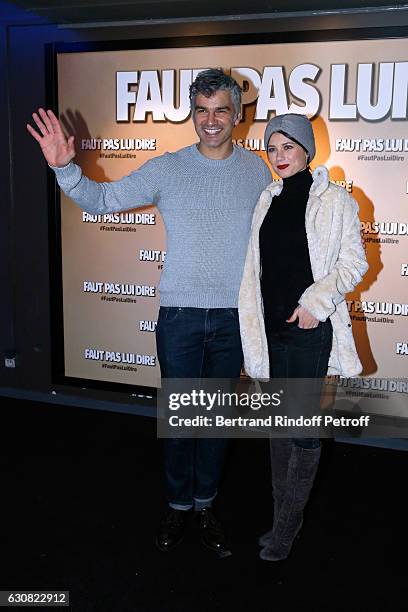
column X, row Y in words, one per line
column 306, row 320
column 57, row 150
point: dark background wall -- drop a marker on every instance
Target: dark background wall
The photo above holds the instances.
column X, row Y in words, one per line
column 25, row 28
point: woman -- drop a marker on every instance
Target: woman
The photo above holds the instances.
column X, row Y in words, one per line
column 294, row 320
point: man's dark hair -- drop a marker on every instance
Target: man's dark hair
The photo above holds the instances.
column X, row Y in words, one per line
column 210, row 81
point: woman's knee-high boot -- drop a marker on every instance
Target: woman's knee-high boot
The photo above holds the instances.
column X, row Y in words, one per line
column 301, row 472
column 280, row 450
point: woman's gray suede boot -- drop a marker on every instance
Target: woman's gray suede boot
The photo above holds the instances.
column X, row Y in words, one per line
column 301, row 473
column 280, row 451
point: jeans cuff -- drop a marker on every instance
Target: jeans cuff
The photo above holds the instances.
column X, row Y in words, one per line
column 199, row 504
column 183, row 507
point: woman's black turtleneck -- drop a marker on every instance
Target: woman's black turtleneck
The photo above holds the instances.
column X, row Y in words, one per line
column 286, row 270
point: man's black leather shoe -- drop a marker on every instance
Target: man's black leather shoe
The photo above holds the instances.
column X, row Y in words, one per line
column 171, row 529
column 212, row 533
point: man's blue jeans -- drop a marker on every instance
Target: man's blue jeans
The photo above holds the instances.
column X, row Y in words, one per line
column 196, row 343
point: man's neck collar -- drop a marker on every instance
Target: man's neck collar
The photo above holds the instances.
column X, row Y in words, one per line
column 217, row 153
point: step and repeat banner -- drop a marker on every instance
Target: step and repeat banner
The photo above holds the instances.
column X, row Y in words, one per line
column 127, row 106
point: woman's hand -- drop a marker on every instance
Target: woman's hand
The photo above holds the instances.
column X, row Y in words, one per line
column 57, row 150
column 306, row 320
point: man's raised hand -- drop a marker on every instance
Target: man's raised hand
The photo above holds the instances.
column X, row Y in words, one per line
column 57, row 150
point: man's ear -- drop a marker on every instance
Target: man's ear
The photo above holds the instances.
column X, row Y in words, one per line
column 237, row 119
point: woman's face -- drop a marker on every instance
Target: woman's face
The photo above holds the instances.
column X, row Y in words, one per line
column 286, row 157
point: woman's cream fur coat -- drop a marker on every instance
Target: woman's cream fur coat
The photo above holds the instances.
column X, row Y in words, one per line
column 338, row 264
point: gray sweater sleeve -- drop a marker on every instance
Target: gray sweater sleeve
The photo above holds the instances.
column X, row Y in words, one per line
column 136, row 189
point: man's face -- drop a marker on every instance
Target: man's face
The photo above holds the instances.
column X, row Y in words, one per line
column 214, row 119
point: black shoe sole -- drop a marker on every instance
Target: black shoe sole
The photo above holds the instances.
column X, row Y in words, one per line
column 166, row 549
column 221, row 553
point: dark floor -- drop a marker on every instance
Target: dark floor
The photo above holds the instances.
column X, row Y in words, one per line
column 82, row 493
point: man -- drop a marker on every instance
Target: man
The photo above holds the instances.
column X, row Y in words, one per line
column 206, row 194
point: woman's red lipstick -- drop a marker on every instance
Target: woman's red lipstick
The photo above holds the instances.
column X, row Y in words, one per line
column 283, row 166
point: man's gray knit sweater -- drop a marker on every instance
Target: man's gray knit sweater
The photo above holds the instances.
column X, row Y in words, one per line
column 206, row 205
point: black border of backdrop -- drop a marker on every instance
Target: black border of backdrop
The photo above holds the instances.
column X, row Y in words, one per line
column 55, row 243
